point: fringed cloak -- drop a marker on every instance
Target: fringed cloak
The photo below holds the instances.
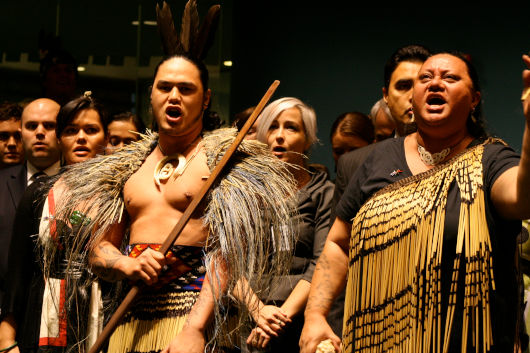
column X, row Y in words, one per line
column 393, row 297
column 248, row 211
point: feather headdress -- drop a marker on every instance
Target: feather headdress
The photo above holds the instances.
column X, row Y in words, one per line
column 193, row 40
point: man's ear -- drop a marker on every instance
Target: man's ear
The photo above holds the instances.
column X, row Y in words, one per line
column 385, row 95
column 206, row 99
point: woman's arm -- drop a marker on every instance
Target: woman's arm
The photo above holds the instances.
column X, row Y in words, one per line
column 269, row 318
column 511, row 191
column 7, row 333
column 328, row 280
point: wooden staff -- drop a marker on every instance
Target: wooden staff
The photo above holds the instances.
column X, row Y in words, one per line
column 133, row 292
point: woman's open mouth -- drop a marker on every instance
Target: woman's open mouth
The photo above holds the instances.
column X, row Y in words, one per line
column 279, row 150
column 435, row 102
column 81, row 151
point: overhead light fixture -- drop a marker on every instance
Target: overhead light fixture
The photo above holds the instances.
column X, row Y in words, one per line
column 145, row 23
column 81, row 68
column 227, row 63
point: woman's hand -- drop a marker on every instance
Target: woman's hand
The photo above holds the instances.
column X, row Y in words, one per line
column 189, row 340
column 258, row 338
column 271, row 319
column 270, row 322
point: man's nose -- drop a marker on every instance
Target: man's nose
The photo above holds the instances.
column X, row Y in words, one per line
column 174, row 94
column 11, row 141
column 40, row 131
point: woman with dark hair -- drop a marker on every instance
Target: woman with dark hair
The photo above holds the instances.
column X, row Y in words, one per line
column 123, row 129
column 427, row 230
column 81, row 127
column 34, row 317
column 350, row 131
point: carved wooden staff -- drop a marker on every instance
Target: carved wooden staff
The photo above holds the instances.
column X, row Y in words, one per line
column 133, row 292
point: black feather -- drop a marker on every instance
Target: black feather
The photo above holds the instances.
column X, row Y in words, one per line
column 166, row 28
column 192, row 40
column 189, row 26
column 206, row 33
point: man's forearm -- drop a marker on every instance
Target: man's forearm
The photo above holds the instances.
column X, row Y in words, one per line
column 103, row 261
column 202, row 311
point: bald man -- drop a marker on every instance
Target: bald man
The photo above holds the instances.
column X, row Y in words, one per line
column 42, row 153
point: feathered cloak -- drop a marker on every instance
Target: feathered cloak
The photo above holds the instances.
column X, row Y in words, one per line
column 248, row 210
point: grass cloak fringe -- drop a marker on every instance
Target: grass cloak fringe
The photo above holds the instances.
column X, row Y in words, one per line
column 249, row 214
column 250, row 217
column 94, row 189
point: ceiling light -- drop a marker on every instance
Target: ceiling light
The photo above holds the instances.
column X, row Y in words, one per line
column 145, row 23
column 227, row 63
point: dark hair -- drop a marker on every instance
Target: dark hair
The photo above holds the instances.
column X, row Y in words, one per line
column 210, row 119
column 129, row 116
column 476, row 125
column 412, row 53
column 241, row 118
column 354, row 124
column 9, row 110
column 70, row 110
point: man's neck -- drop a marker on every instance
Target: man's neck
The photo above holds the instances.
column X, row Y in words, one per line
column 404, row 129
column 48, row 170
column 177, row 144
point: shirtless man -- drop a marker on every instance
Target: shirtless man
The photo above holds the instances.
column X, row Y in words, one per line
column 178, row 101
column 154, row 205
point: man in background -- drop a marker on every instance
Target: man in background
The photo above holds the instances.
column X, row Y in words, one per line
column 11, row 152
column 42, row 155
column 400, row 71
column 383, row 121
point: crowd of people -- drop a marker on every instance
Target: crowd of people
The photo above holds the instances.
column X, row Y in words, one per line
column 411, row 248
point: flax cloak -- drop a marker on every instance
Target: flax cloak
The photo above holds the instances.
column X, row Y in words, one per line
column 393, row 293
column 249, row 212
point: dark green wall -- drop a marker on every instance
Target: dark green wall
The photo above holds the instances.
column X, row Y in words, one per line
column 331, row 55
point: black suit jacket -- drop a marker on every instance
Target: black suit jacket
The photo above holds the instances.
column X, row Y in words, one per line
column 13, row 181
column 346, row 167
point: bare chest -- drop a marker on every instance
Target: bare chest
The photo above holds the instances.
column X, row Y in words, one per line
column 141, row 193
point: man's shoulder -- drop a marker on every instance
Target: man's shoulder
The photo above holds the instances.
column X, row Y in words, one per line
column 15, row 171
column 355, row 157
column 12, row 170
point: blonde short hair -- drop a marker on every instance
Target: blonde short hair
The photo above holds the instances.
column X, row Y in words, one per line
column 274, row 109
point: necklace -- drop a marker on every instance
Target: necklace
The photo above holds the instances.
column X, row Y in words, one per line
column 432, row 158
column 166, row 167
